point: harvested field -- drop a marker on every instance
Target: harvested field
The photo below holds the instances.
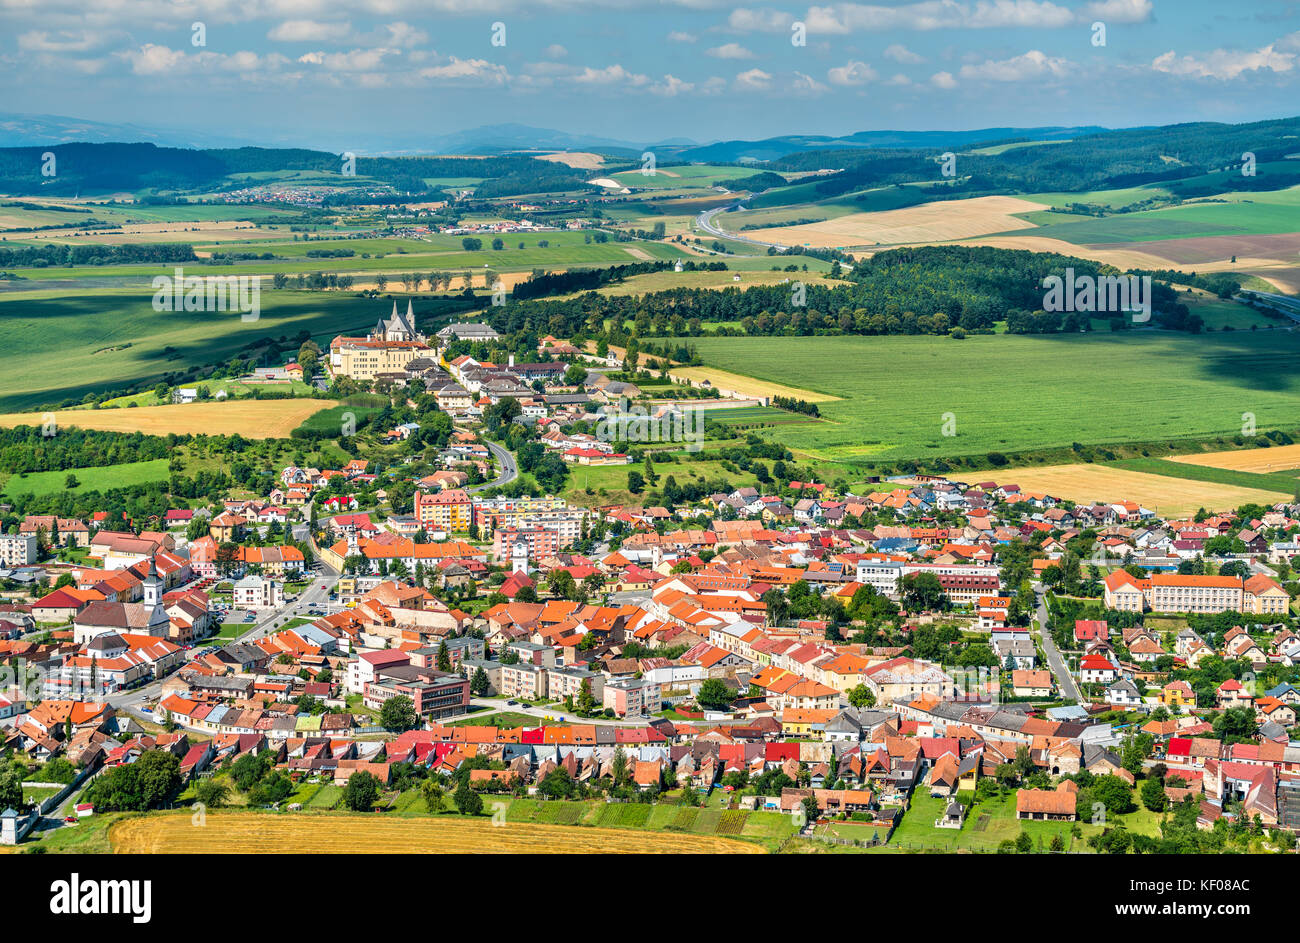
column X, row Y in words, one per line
column 1125, row 258
column 1249, row 249
column 191, row 232
column 253, row 419
column 930, row 222
column 1169, row 497
column 747, row 386
column 1279, row 458
column 237, row 832
column 583, row 160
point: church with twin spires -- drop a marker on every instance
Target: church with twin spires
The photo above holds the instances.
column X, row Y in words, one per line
column 393, row 344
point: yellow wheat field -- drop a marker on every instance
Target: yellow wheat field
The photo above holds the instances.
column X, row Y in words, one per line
column 930, row 222
column 745, row 386
column 1281, row 458
column 253, row 419
column 245, row 832
column 1172, row 497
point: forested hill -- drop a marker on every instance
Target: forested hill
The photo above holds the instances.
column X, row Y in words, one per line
column 1090, row 161
column 923, row 290
column 132, row 167
column 1095, row 161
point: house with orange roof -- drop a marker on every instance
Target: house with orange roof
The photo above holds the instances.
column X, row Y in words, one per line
column 1055, row 805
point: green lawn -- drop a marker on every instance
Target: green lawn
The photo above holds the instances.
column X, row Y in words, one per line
column 90, row 479
column 991, row 822
column 609, row 482
column 769, row 829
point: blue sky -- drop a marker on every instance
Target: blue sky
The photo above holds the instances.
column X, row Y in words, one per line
column 343, row 76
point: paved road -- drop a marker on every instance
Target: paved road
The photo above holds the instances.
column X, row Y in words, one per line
column 314, row 596
column 705, row 222
column 1283, row 304
column 1064, row 680
column 509, row 471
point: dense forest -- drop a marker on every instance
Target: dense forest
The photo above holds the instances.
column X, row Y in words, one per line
column 26, row 449
column 53, row 254
column 924, row 290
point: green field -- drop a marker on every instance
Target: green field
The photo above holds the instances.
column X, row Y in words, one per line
column 1014, row 146
column 1243, row 214
column 1271, row 481
column 417, row 259
column 1010, row 393
column 91, row 479
column 62, row 344
column 770, row 829
column 608, row 483
column 694, row 176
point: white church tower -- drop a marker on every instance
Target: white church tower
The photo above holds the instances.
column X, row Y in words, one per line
column 152, row 585
column 519, row 557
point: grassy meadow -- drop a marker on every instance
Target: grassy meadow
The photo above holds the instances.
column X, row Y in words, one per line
column 60, row 344
column 1011, row 393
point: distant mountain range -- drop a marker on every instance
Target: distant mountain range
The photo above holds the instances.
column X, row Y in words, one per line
column 19, row 130
column 772, row 148
column 24, row 130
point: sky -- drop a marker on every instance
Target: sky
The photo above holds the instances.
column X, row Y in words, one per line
column 360, row 75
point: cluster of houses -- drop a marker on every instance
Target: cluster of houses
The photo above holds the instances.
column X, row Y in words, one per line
column 682, row 601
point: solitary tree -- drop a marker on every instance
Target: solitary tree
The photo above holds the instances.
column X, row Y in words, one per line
column 362, row 792
column 398, row 713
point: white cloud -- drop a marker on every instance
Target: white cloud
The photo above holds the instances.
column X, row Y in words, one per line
column 943, row 80
column 899, row 79
column 556, row 51
column 610, row 75
column 851, row 73
column 1117, row 11
column 467, row 71
column 807, row 85
column 402, row 35
column 755, row 80
column 759, row 21
column 309, row 31
column 151, row 59
column 1227, row 64
column 355, row 60
column 60, row 40
column 679, row 36
column 901, row 54
column 843, row 18
column 730, row 51
column 671, row 86
column 1032, row 65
